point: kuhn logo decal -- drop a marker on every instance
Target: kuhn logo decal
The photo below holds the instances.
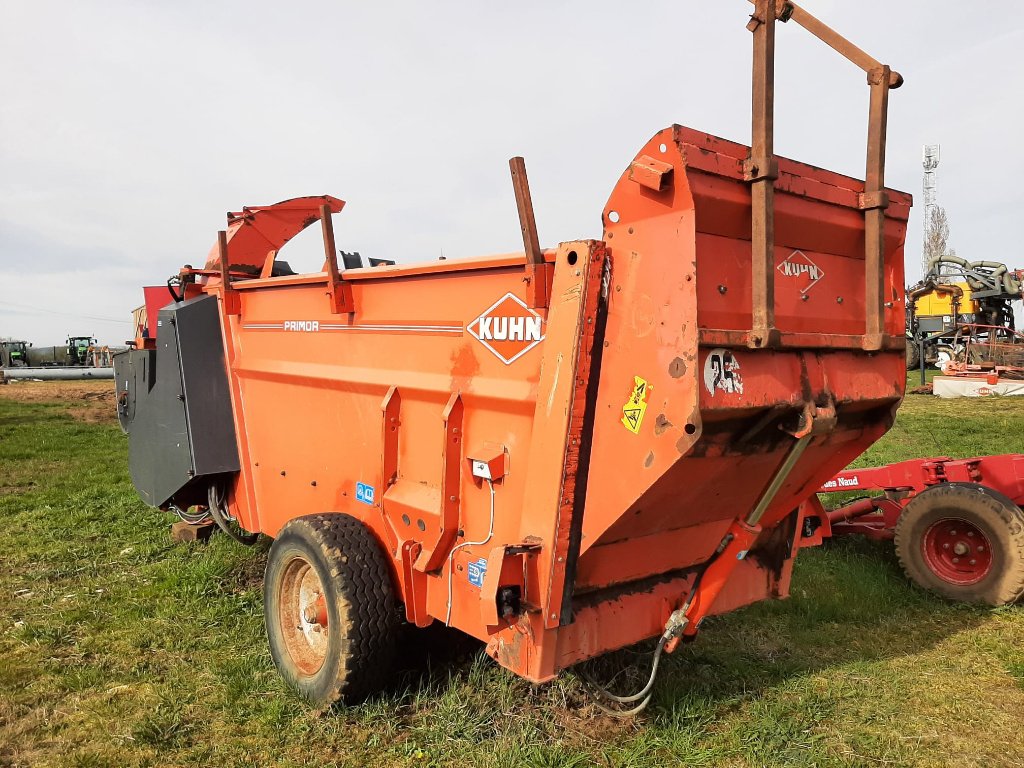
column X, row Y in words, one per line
column 798, row 265
column 508, row 328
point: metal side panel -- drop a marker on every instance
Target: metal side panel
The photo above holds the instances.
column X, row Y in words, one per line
column 204, row 381
column 174, row 403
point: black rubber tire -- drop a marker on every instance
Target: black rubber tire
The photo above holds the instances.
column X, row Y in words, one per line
column 913, row 355
column 996, row 516
column 363, row 616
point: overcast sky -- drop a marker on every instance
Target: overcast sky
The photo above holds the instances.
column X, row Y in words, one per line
column 128, row 129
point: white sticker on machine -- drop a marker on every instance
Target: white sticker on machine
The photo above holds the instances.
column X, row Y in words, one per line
column 722, row 373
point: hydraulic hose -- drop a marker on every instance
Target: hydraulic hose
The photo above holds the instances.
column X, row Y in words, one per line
column 220, row 517
column 643, row 695
column 673, row 629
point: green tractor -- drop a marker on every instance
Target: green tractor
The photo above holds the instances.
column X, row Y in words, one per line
column 79, row 348
column 14, row 354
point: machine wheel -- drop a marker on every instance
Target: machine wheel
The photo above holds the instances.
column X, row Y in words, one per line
column 330, row 608
column 913, row 355
column 964, row 542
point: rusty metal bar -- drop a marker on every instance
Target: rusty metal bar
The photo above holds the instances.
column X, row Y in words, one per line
column 329, row 249
column 339, row 292
column 874, row 200
column 527, row 222
column 721, row 337
column 232, row 304
column 830, row 37
column 781, row 474
column 874, row 204
column 222, row 255
column 761, row 171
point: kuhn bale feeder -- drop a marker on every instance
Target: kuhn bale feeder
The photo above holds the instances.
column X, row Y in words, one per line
column 560, row 452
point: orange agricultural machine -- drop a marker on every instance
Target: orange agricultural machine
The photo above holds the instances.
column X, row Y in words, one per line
column 560, row 452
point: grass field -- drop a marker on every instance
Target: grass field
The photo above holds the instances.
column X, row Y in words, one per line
column 118, row 648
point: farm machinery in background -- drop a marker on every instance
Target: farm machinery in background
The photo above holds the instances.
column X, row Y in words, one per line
column 14, row 354
column 81, row 357
column 957, row 524
column 960, row 318
column 78, row 351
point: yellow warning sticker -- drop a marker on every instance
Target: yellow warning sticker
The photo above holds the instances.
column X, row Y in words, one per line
column 635, row 408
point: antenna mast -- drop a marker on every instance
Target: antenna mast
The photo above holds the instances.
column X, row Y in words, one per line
column 930, row 162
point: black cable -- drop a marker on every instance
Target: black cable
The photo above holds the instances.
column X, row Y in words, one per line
column 221, row 518
column 171, row 281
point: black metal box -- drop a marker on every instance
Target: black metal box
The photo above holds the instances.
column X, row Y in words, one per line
column 174, row 402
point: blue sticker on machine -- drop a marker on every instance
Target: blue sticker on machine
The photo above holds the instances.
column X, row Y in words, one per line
column 476, row 572
column 364, row 493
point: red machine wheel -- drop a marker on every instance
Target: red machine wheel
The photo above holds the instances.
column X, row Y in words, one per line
column 957, row 551
column 331, row 637
column 965, row 542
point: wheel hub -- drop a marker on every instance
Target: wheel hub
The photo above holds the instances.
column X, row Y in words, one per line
column 957, row 551
column 303, row 615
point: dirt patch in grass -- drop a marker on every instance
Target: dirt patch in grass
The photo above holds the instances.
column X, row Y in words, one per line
column 7, row 490
column 89, row 401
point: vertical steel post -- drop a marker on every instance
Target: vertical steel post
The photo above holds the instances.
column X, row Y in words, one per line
column 338, row 291
column 761, row 172
column 874, row 204
column 536, row 278
column 222, row 254
column 330, row 252
column 232, row 305
column 524, row 203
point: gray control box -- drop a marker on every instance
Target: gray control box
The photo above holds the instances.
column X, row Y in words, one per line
column 174, row 403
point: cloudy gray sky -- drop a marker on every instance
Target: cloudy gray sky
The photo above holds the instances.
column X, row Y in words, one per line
column 128, row 129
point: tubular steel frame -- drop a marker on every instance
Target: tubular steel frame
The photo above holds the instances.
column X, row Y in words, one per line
column 762, row 171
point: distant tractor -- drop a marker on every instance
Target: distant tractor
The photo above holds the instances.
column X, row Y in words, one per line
column 77, row 351
column 14, row 354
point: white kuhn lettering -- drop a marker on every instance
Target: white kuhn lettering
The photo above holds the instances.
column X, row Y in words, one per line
column 510, row 328
column 791, row 269
column 798, row 264
column 301, row 325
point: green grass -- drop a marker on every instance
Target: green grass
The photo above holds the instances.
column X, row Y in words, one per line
column 119, row 648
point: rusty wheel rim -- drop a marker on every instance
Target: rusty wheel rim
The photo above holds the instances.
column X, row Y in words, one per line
column 302, row 614
column 957, row 551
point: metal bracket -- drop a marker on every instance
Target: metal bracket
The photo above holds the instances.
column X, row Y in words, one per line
column 415, row 586
column 339, row 290
column 390, row 412
column 434, row 552
column 756, row 169
column 648, row 172
column 868, row 201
